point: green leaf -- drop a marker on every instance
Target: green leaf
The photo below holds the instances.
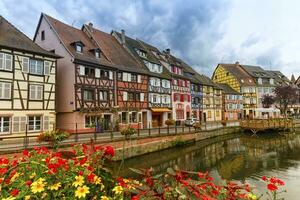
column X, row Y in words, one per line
column 138, row 171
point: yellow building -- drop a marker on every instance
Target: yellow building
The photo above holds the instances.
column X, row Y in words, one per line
column 238, row 79
column 27, row 83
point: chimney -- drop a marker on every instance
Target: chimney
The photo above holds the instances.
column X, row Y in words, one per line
column 237, row 63
column 168, row 51
column 123, row 36
column 90, row 26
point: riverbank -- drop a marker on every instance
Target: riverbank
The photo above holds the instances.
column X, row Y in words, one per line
column 140, row 146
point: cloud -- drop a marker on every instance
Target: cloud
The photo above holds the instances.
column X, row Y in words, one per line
column 203, row 33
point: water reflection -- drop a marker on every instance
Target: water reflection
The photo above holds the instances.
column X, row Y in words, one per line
column 239, row 157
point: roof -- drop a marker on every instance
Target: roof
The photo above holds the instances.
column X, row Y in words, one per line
column 133, row 44
column 115, row 52
column 256, row 71
column 227, row 89
column 13, row 38
column 69, row 35
column 241, row 75
column 279, row 77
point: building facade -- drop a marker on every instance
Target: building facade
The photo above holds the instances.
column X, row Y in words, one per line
column 86, row 97
column 27, row 83
column 159, row 85
column 232, row 104
column 239, row 80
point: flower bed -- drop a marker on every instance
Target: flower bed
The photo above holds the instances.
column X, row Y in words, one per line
column 82, row 174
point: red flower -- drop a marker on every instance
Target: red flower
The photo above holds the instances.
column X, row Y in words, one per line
column 272, row 187
column 14, row 192
column 28, row 183
column 81, row 173
column 26, row 153
column 264, row 178
column 280, row 182
column 109, row 151
column 91, row 177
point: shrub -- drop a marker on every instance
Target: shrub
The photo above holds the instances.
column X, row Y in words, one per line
column 128, row 130
column 53, row 137
column 170, row 122
column 197, row 126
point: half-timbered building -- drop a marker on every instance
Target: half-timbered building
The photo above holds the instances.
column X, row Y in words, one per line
column 180, row 84
column 159, row 86
column 86, row 77
column 27, row 83
column 132, row 79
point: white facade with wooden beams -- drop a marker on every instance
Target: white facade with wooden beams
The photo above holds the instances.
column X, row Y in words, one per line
column 27, row 92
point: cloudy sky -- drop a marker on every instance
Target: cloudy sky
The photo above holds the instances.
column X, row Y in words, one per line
column 201, row 32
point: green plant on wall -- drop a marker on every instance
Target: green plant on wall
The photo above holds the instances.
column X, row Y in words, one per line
column 53, row 137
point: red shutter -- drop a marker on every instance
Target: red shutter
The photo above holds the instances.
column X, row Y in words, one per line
column 180, row 82
column 181, row 97
column 189, row 98
column 174, row 96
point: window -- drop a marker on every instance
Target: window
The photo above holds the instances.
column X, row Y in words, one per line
column 126, row 77
column 91, row 121
column 36, row 92
column 88, row 95
column 217, row 113
column 78, row 48
column 90, row 72
column 47, row 68
column 36, row 67
column 124, row 117
column 5, row 61
column 34, row 123
column 5, row 90
column 259, row 80
column 120, row 76
column 271, row 81
column 103, row 96
column 97, row 54
column 19, row 124
column 4, row 124
column 25, row 65
column 133, row 117
column 141, row 53
column 43, row 35
column 133, row 78
column 209, row 114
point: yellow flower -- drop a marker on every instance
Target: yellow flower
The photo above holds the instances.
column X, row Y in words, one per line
column 79, row 181
column 38, row 186
column 32, row 175
column 56, row 186
column 104, row 198
column 252, row 196
column 118, row 189
column 82, row 191
column 14, row 177
column 97, row 180
column 27, row 197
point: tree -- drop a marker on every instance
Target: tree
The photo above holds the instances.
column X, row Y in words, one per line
column 268, row 100
column 285, row 96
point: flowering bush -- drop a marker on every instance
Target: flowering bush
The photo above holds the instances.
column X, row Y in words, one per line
column 54, row 137
column 42, row 174
column 128, row 131
column 273, row 186
column 170, row 122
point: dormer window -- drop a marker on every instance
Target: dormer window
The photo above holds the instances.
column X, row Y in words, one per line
column 78, row 48
column 259, row 80
column 97, row 54
column 141, row 53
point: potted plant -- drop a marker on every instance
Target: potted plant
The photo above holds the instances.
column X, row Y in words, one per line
column 53, row 137
column 170, row 122
column 197, row 126
column 128, row 131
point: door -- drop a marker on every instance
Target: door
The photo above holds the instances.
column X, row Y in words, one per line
column 144, row 120
column 204, row 117
column 106, row 121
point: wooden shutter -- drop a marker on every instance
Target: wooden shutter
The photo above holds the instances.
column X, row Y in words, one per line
column 97, row 73
column 142, row 96
column 111, row 75
column 47, row 68
column 25, row 65
column 46, row 123
column 8, row 62
column 82, row 70
column 128, row 77
column 174, row 96
column 125, row 96
column 189, row 98
column 139, row 78
column 181, row 97
column 16, row 125
column 124, row 77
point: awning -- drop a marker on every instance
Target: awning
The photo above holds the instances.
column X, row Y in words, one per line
column 160, row 110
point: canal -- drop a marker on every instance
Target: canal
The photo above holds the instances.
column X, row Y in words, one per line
column 236, row 157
